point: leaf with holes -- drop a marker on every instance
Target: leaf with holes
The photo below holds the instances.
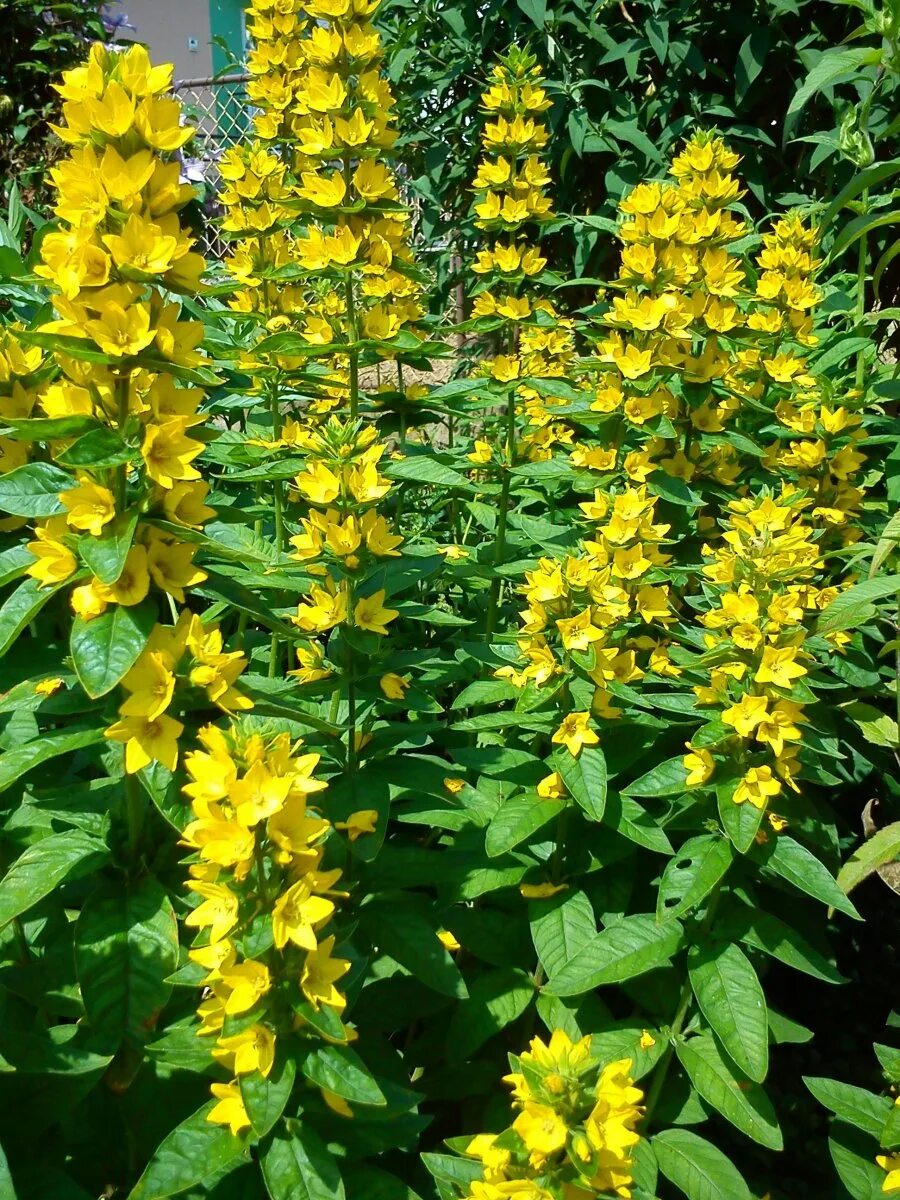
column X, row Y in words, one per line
column 692, row 874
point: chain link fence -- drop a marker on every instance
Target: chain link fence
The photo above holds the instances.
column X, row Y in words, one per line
column 220, row 111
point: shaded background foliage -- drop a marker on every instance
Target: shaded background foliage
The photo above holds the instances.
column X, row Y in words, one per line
column 40, row 41
column 629, row 80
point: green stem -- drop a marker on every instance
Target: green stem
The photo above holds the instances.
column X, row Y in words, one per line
column 121, row 422
column 681, row 1015
column 275, row 412
column 502, row 516
column 135, row 808
column 353, row 334
column 861, row 265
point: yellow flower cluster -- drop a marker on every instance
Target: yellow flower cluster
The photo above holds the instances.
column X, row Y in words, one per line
column 342, row 535
column 264, row 899
column 574, row 1132
column 118, row 256
column 510, row 199
column 695, row 344
column 764, row 579
column 329, row 207
column 174, row 661
column 600, row 615
column 20, row 379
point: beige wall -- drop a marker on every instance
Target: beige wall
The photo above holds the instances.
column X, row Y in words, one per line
column 166, row 25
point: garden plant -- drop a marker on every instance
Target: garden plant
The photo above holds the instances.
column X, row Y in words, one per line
column 449, row 713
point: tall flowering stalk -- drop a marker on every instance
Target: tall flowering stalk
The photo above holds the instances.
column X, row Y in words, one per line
column 533, row 341
column 120, row 408
column 264, row 900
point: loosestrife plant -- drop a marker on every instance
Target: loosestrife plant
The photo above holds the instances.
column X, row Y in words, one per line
column 361, row 729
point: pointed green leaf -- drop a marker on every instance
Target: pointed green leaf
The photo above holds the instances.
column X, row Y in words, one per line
column 731, row 998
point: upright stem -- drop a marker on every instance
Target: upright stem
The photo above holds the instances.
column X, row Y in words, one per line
column 121, row 422
column 681, row 1014
column 502, row 516
column 861, row 265
column 353, row 334
column 275, row 412
column 135, row 808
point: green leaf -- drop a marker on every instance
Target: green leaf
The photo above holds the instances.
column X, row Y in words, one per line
column 105, row 555
column 853, row 1157
column 535, row 10
column 631, row 947
column 633, row 822
column 403, row 931
column 751, row 57
column 424, row 469
column 7, row 1191
column 799, row 867
column 666, row 779
column 44, row 866
column 692, row 874
column 740, row 821
column 856, row 605
column 16, row 763
column 859, row 1108
column 33, row 490
column 832, row 66
column 340, row 1070
column 99, row 448
column 860, row 227
column 22, row 606
column 517, row 819
column 126, row 943
column 864, row 180
column 697, row 1168
column 192, row 1152
column 265, row 1098
column 585, row 779
column 106, row 648
column 732, row 1000
column 766, row 932
column 560, row 928
column 879, row 850
column 496, row 999
column 730, row 1093
column 297, row 1165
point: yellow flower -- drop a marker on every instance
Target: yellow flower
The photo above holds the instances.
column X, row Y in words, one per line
column 230, row 1109
column 699, row 765
column 90, row 506
column 151, row 684
column 320, row 973
column 217, row 912
column 447, row 940
column 575, row 733
column 542, row 1130
column 298, row 912
column 551, row 787
column 147, row 741
column 891, row 1164
column 359, row 823
column 168, row 452
column 541, row 891
column 54, row 563
column 48, row 687
column 648, row 1041
column 779, row 666
column 394, row 686
column 371, row 614
column 481, row 454
column 757, row 785
column 243, row 984
column 253, row 1049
